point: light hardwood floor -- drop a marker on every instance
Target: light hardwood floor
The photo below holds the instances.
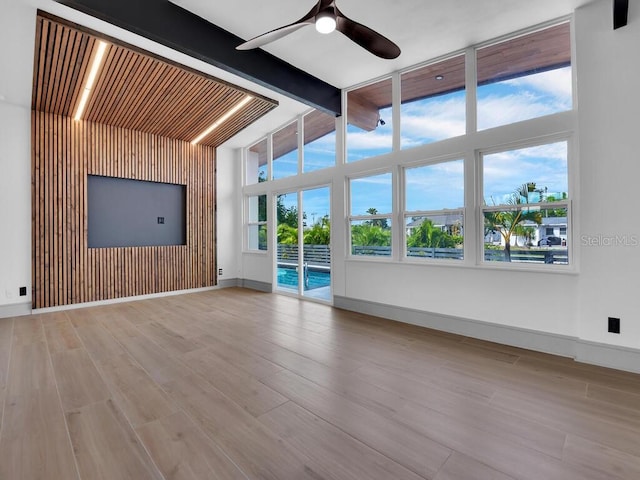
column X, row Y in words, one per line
column 235, row 384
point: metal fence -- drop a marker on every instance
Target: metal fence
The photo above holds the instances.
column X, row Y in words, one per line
column 314, row 255
column 320, row 255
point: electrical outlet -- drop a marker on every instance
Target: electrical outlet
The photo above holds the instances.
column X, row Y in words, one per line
column 219, row 272
column 614, row 325
column 23, row 291
column 161, row 220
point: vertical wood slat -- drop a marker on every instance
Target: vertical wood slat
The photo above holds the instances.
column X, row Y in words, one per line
column 65, row 270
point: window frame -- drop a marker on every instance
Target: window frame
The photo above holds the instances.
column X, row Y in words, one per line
column 405, row 213
column 255, row 223
column 350, row 218
column 571, row 265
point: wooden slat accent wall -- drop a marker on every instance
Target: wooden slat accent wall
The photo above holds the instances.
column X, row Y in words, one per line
column 65, row 270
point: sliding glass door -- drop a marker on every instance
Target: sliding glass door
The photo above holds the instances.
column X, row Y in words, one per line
column 303, row 259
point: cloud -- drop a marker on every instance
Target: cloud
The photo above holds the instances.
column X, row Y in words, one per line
column 433, row 119
column 555, row 83
column 546, row 165
column 532, row 96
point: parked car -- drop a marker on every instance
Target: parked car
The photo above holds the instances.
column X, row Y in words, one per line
column 548, row 241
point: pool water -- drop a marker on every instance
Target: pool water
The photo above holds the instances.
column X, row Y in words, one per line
column 288, row 277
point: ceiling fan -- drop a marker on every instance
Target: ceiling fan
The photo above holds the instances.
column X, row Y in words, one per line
column 326, row 16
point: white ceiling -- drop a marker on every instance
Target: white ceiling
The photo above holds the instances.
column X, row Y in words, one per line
column 423, row 29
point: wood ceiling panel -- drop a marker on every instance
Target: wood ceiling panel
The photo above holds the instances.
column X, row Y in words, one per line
column 133, row 89
column 536, row 51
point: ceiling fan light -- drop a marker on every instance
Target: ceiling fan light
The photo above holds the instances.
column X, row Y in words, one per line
column 325, row 22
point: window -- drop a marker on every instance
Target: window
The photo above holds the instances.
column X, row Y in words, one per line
column 525, row 77
column 370, row 217
column 433, row 102
column 256, row 163
column 285, row 152
column 525, row 201
column 257, row 222
column 369, row 121
column 434, row 214
column 319, row 141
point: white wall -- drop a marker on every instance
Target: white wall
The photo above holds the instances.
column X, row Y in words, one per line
column 229, row 218
column 609, row 105
column 17, row 29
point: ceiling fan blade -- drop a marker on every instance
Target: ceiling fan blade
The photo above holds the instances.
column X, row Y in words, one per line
column 272, row 36
column 368, row 39
column 278, row 33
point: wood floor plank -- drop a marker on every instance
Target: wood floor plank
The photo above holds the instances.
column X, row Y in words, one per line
column 136, row 394
column 61, row 335
column 105, row 446
column 461, row 467
column 34, row 442
column 576, row 418
column 607, row 460
column 158, row 364
column 99, row 343
column 435, row 377
column 169, row 340
column 319, row 353
column 346, row 456
column 79, row 382
column 479, row 414
column 183, row 452
column 29, row 370
column 120, row 327
column 402, row 444
column 625, row 381
column 255, row 365
column 242, row 388
column 6, row 337
column 260, row 453
column 254, row 449
column 613, row 397
column 487, row 448
column 510, row 377
column 27, row 330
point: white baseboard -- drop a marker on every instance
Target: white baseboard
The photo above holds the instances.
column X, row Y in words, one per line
column 123, row 299
column 612, row 356
column 229, row 282
column 256, row 285
column 15, row 310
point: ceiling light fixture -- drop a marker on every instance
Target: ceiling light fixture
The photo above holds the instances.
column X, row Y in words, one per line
column 222, row 119
column 439, row 77
column 93, row 73
column 325, row 22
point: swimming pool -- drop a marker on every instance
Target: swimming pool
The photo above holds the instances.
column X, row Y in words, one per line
column 288, row 277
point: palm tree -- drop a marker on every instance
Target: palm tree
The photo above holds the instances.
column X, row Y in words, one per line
column 428, row 235
column 507, row 222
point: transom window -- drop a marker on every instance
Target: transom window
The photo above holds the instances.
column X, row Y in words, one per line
column 433, row 102
column 524, row 77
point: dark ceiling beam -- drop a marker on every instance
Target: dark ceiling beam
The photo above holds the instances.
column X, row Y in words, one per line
column 620, row 13
column 172, row 26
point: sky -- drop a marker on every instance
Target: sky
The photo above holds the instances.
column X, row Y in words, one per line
column 440, row 186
